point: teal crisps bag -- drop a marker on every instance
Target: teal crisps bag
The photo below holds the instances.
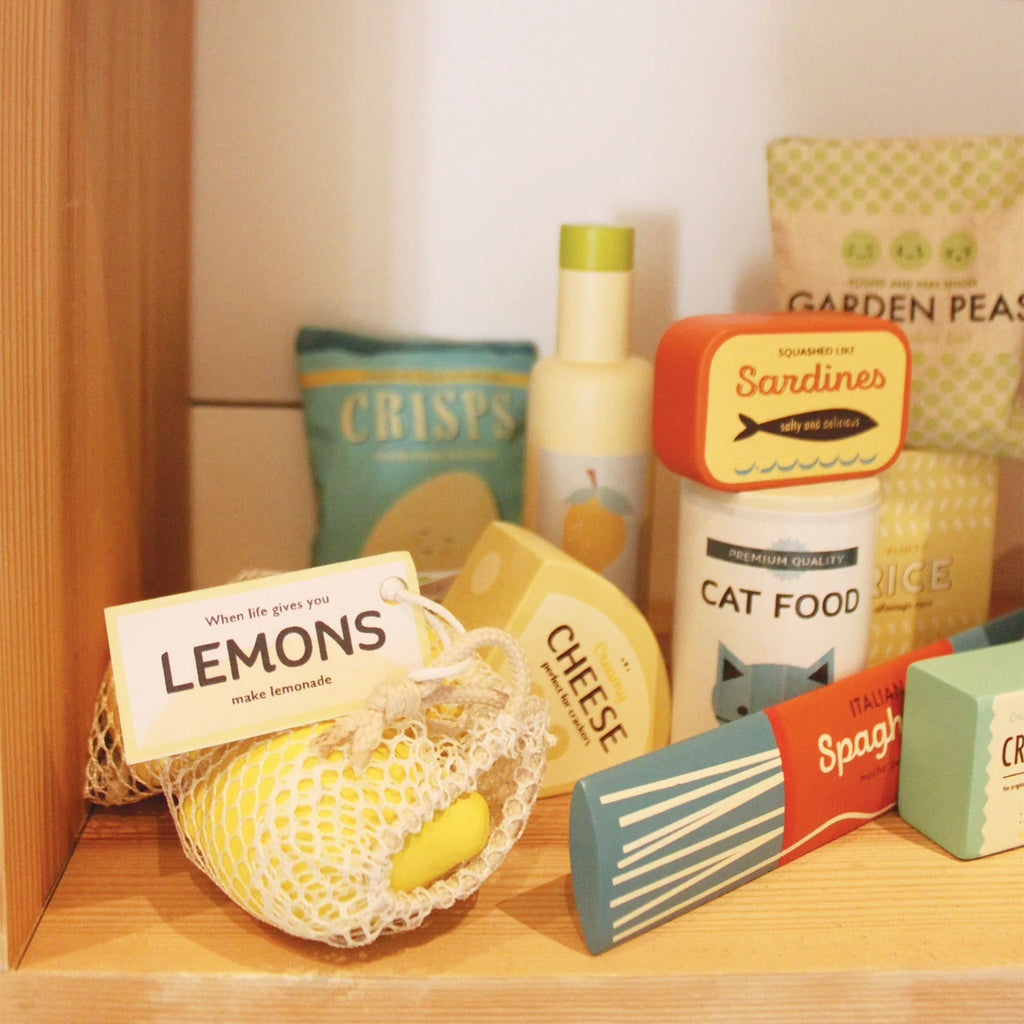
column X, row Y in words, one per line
column 414, row 444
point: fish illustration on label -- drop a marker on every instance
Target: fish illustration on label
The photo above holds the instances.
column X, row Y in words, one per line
column 814, row 425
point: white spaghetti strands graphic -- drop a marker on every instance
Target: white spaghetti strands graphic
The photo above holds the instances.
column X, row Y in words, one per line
column 704, row 895
column 714, row 865
column 721, row 859
column 686, row 851
column 646, row 844
column 685, row 798
column 708, row 866
column 686, row 778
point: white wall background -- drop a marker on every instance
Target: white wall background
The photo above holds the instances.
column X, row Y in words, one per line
column 404, row 165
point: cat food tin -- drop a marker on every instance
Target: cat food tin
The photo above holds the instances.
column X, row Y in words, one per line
column 773, row 596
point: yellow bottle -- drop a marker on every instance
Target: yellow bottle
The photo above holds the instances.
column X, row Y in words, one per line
column 588, row 438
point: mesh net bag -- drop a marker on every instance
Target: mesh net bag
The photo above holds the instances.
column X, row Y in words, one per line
column 109, row 779
column 347, row 830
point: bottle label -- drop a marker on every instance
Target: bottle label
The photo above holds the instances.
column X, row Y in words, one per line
column 593, row 507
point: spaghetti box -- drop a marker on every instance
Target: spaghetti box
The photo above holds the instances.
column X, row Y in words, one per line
column 962, row 763
column 776, row 399
column 663, row 833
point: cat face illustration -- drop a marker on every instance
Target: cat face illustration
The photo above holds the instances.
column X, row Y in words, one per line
column 741, row 689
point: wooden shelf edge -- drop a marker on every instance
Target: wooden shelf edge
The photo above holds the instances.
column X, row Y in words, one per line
column 863, row 996
column 137, row 934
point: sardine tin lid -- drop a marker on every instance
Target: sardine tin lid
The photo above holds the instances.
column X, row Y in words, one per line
column 749, row 401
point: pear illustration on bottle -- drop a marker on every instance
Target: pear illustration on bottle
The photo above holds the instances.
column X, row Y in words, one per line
column 594, row 530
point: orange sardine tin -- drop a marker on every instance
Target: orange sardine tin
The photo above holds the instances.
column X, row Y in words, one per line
column 776, row 399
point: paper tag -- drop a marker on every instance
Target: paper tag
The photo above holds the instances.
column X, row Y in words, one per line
column 226, row 663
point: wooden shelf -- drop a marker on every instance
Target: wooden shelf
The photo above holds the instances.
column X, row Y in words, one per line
column 879, row 925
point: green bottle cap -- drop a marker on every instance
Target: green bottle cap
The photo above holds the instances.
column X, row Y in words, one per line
column 595, row 247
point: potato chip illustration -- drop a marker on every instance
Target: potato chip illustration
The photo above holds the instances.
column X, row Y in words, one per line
column 436, row 522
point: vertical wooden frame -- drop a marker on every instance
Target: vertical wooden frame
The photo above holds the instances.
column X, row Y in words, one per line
column 94, row 199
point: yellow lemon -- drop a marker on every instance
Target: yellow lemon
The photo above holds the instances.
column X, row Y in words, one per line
column 450, row 837
column 288, row 832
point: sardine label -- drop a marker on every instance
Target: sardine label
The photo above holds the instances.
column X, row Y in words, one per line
column 781, row 412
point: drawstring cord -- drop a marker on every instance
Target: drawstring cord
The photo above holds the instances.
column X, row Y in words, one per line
column 408, row 695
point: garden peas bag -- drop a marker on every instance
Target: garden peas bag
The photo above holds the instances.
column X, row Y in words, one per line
column 928, row 233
